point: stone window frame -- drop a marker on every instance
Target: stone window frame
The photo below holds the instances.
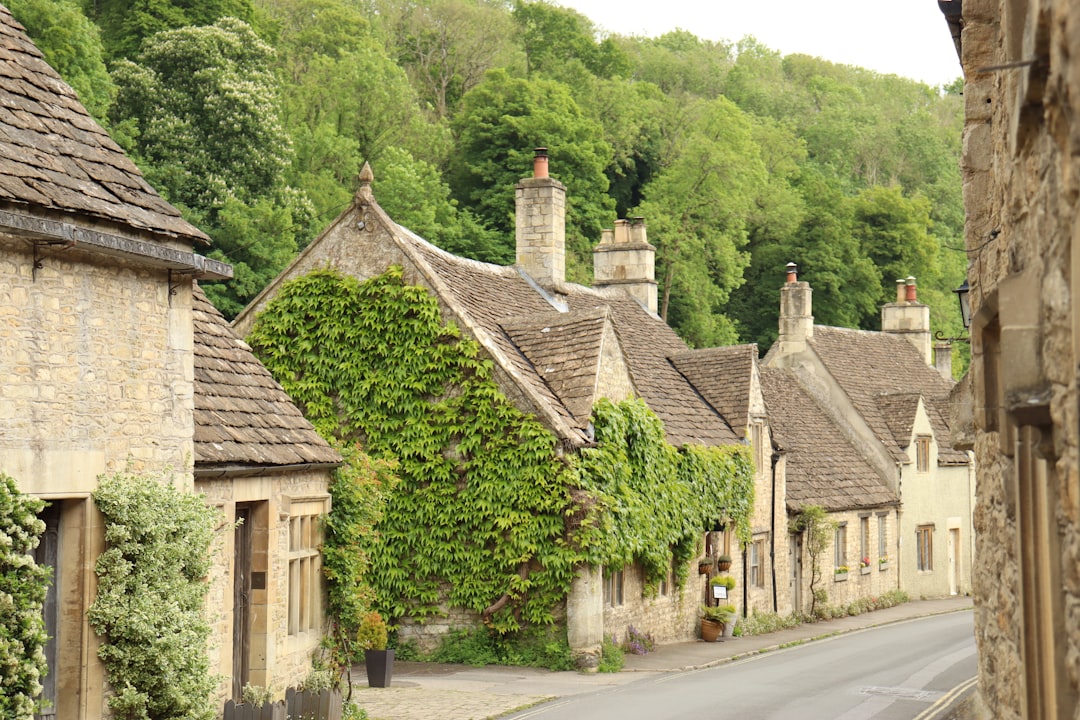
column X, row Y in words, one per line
column 883, row 540
column 864, row 544
column 756, row 569
column 614, row 588
column 840, row 546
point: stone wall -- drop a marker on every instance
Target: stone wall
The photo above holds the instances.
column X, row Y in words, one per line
column 1020, row 193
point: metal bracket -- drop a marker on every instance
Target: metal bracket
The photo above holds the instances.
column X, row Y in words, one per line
column 940, row 337
column 178, row 276
column 39, row 259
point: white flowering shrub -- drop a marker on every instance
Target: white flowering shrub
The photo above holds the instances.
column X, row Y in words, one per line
column 149, row 604
column 23, row 585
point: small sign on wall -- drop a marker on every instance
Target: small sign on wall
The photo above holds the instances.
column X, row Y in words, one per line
column 719, row 592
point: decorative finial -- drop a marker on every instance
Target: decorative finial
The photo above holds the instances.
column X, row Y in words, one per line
column 365, row 178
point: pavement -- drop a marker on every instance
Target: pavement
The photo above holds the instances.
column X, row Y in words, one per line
column 422, row 691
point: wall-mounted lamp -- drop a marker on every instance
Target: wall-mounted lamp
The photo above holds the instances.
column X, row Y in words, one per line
column 965, row 303
column 965, row 314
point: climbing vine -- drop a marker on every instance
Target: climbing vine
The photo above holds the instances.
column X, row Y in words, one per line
column 486, row 516
column 659, row 499
column 358, row 490
column 149, row 604
column 478, row 519
column 23, row 585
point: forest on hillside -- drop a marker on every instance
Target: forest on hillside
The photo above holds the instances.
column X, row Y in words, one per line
column 254, row 118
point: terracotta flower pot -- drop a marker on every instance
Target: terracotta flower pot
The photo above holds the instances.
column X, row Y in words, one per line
column 710, row 630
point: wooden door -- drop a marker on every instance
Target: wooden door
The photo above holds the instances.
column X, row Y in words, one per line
column 795, row 560
column 241, row 600
column 48, row 553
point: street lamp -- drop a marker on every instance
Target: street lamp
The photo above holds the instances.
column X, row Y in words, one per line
column 965, row 303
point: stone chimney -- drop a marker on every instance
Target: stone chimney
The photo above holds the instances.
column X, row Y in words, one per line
column 908, row 318
column 625, row 258
column 943, row 359
column 796, row 312
column 540, row 224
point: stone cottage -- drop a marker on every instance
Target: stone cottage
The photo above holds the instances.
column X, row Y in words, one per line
column 102, row 371
column 1021, row 140
column 556, row 348
column 884, row 393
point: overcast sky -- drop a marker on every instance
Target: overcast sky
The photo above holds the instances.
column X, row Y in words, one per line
column 902, row 37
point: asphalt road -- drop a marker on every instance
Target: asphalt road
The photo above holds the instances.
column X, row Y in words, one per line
column 896, row 672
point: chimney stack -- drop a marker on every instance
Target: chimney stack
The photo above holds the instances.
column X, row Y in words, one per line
column 540, row 224
column 908, row 318
column 943, row 359
column 625, row 258
column 796, row 312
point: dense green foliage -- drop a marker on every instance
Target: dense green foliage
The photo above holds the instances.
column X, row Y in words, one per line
column 505, row 520
column 23, row 585
column 656, row 500
column 358, row 493
column 740, row 159
column 544, row 647
column 150, row 594
column 373, row 363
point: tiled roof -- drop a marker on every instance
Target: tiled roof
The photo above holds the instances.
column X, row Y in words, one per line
column 565, row 350
column 648, row 342
column 54, row 156
column 243, row 417
column 489, row 296
column 870, row 367
column 899, row 410
column 723, row 376
column 822, row 466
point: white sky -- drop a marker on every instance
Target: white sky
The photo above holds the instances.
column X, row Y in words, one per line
column 901, row 37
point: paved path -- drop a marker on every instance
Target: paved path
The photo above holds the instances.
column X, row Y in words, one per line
column 426, row 691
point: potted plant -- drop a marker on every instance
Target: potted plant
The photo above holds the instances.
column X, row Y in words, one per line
column 378, row 660
column 714, row 620
column 723, row 562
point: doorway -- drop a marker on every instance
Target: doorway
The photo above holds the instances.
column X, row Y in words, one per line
column 242, row 540
column 795, row 561
column 48, row 554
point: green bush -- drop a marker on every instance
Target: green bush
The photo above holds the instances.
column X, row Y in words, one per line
column 612, row 656
column 150, row 595
column 23, row 585
column 533, row 647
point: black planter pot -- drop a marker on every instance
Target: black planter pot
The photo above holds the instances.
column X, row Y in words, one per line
column 380, row 666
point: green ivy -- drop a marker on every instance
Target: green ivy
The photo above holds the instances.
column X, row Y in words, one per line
column 478, row 519
column 659, row 499
column 358, row 492
column 150, row 595
column 23, row 585
column 486, row 515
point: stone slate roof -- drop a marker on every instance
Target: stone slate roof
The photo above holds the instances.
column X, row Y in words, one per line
column 723, row 376
column 899, row 410
column 54, row 156
column 565, row 349
column 823, row 467
column 243, row 417
column 487, row 296
column 872, row 368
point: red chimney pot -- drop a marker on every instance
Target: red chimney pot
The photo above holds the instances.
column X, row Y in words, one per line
column 792, row 273
column 540, row 163
column 909, row 289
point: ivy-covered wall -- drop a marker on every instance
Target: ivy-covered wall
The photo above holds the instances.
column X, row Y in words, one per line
column 486, row 516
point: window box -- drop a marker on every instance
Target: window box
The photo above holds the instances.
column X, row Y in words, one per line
column 840, row 574
column 865, row 570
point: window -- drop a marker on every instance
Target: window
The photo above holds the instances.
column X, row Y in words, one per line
column 305, row 569
column 613, row 589
column 883, row 539
column 840, row 550
column 924, row 547
column 922, row 453
column 757, row 568
column 864, row 543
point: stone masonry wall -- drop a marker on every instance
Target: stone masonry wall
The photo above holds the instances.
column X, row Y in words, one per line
column 1021, row 185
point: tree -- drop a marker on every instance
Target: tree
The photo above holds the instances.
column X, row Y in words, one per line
column 552, row 36
column 199, row 113
column 499, row 124
column 125, row 24
column 817, row 529
column 72, row 46
column 446, row 46
column 698, row 210
column 413, row 193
